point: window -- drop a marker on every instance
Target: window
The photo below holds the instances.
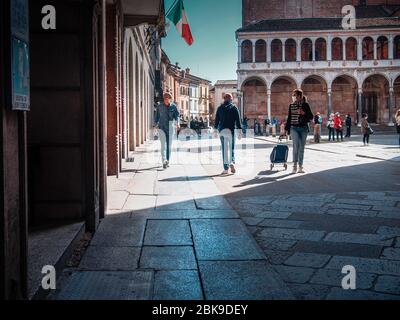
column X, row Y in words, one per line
column 276, row 50
column 351, row 49
column 337, row 49
column 382, row 48
column 368, row 48
column 306, row 50
column 320, row 50
column 396, row 47
column 261, row 51
column 290, row 50
column 247, row 51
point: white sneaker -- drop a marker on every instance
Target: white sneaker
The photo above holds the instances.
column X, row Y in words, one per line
column 294, row 170
column 233, row 169
column 301, row 170
column 225, row 172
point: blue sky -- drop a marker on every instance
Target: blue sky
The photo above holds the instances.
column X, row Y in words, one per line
column 214, row 53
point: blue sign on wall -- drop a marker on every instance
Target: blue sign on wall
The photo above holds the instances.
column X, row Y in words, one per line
column 20, row 82
column 20, row 75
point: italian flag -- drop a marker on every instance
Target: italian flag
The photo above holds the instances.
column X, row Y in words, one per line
column 178, row 16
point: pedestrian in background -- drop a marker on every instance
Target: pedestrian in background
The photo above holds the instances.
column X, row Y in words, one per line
column 366, row 129
column 245, row 125
column 317, row 127
column 338, row 125
column 349, row 123
column 330, row 124
column 226, row 121
column 297, row 126
column 166, row 120
column 398, row 123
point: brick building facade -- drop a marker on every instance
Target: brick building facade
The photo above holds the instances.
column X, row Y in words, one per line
column 302, row 44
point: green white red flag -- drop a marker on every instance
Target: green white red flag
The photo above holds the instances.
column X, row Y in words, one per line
column 178, row 16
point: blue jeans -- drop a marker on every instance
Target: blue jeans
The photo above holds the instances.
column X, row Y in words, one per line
column 165, row 146
column 228, row 150
column 331, row 134
column 299, row 137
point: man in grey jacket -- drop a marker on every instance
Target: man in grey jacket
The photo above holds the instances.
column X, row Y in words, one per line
column 167, row 120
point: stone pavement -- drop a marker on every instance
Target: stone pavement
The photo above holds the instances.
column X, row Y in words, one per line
column 181, row 233
column 170, row 235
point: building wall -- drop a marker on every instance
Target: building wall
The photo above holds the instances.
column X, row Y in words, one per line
column 220, row 90
column 254, row 10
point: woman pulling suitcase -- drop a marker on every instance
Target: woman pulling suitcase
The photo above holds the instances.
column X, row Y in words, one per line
column 299, row 117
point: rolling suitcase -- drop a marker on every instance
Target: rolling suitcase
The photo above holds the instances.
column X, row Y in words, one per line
column 279, row 155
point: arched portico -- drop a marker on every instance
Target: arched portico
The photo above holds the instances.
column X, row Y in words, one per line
column 255, row 98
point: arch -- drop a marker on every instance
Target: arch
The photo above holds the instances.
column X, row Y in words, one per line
column 254, row 98
column 315, row 88
column 382, row 48
column 375, row 98
column 345, row 95
column 351, row 49
column 368, row 48
column 276, row 50
column 320, row 49
column 261, row 51
column 337, row 49
column 306, row 50
column 247, row 51
column 396, row 47
column 281, row 92
column 396, row 93
column 290, row 50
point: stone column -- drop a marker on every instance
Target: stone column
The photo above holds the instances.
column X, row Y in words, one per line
column 390, row 47
column 269, row 52
column 313, row 50
column 375, row 49
column 283, row 50
column 359, row 49
column 298, row 50
column 359, row 110
column 329, row 101
column 239, row 51
column 329, row 48
column 391, row 100
column 344, row 49
column 254, row 50
column 269, row 104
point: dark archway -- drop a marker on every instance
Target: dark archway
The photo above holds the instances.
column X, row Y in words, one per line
column 376, row 99
column 368, row 48
column 344, row 96
column 320, row 49
column 306, row 50
column 261, row 51
column 290, row 50
column 254, row 99
column 276, row 50
column 337, row 49
column 315, row 88
column 351, row 49
column 247, row 51
column 281, row 92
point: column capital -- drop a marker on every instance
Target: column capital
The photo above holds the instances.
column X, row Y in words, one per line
column 329, row 91
column 269, row 92
column 360, row 91
column 391, row 90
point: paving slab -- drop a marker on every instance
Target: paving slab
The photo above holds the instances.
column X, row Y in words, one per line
column 312, row 260
column 274, row 244
column 293, row 234
column 130, row 232
column 389, row 231
column 168, row 258
column 242, row 280
column 177, row 285
column 168, row 233
column 377, row 266
column 171, row 203
column 211, row 203
column 391, row 254
column 110, row 258
column 106, row 285
column 224, row 240
column 190, row 214
column 308, row 291
column 388, row 284
column 371, row 239
column 294, row 274
column 140, row 202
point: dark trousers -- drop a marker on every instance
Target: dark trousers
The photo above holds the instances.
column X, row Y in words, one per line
column 348, row 132
column 366, row 138
column 331, row 134
column 339, row 132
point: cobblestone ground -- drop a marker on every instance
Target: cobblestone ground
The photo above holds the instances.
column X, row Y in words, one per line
column 340, row 213
column 181, row 233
